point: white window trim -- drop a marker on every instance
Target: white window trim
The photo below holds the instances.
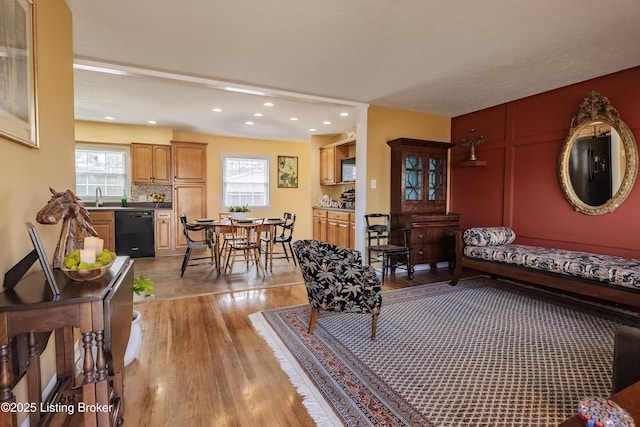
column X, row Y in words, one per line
column 110, row 147
column 225, row 156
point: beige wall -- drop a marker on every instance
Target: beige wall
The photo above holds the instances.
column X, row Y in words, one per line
column 385, row 124
column 27, row 173
column 295, row 200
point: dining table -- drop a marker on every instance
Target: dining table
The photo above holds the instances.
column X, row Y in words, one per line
column 217, row 227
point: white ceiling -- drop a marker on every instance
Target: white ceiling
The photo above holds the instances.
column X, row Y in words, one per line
column 322, row 57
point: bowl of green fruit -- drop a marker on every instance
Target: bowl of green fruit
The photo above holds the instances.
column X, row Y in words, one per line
column 81, row 271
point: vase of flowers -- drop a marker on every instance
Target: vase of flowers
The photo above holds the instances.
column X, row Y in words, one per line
column 239, row 212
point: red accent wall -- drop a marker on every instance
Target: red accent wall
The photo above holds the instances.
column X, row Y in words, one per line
column 520, row 185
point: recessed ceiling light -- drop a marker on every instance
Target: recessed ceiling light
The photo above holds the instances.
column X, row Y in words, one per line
column 345, row 114
column 312, row 130
column 268, row 104
column 258, row 114
column 216, row 110
column 293, row 119
column 326, row 122
column 152, row 122
column 249, row 123
column 108, row 118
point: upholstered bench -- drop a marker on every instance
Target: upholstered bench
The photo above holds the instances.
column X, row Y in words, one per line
column 491, row 250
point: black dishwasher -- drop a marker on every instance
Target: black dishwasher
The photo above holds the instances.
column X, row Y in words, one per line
column 134, row 233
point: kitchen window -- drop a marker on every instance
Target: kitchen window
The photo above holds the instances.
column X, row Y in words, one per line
column 101, row 166
column 245, row 181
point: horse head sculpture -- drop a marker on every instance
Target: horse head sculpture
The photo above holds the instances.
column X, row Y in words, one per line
column 76, row 222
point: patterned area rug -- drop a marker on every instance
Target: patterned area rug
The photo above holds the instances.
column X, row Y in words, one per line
column 483, row 353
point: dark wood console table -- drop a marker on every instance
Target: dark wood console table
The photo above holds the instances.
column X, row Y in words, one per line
column 102, row 310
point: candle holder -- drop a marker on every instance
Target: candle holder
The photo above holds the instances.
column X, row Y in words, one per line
column 472, row 142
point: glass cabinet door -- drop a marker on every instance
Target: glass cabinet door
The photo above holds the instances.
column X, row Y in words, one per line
column 437, row 178
column 413, row 183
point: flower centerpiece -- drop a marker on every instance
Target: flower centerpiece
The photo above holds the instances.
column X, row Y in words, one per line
column 239, row 212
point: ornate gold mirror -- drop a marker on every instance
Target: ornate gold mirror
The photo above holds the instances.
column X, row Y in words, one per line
column 599, row 158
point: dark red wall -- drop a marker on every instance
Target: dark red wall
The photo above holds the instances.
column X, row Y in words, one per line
column 520, row 185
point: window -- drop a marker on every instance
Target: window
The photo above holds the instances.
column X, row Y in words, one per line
column 101, row 166
column 245, row 181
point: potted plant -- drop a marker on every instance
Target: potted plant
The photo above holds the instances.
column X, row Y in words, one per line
column 239, row 212
column 142, row 287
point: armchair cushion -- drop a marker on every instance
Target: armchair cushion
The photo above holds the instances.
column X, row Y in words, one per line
column 335, row 278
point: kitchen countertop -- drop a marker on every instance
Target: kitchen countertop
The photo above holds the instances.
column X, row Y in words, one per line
column 334, row 209
column 130, row 206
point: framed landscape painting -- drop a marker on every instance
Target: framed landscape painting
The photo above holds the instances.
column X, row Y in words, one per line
column 17, row 72
column 287, row 172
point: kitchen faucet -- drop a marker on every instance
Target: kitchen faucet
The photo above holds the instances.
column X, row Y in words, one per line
column 98, row 197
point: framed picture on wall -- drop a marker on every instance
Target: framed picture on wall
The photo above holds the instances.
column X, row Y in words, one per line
column 18, row 119
column 287, row 172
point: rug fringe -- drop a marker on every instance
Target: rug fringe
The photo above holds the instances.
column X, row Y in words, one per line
column 312, row 399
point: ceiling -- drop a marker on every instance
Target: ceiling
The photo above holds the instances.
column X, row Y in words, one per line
column 317, row 59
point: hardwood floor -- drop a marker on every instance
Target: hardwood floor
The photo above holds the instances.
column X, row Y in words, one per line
column 202, row 363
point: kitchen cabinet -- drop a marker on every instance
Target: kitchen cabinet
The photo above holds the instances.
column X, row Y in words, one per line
column 320, row 225
column 190, row 189
column 150, row 164
column 163, row 231
column 327, row 165
column 104, row 223
column 331, row 157
column 334, row 226
column 338, row 228
column 189, row 160
column 419, row 198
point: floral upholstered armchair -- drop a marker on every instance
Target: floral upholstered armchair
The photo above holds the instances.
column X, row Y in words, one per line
column 337, row 281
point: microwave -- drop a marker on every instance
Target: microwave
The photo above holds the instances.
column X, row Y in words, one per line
column 348, row 169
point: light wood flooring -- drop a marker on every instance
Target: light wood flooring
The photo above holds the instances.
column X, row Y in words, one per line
column 202, row 363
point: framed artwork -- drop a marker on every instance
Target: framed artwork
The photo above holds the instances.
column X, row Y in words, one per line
column 18, row 119
column 287, row 172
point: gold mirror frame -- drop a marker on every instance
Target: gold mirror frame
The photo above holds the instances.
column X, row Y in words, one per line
column 597, row 108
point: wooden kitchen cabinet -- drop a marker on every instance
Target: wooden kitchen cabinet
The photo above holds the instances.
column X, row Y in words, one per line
column 190, row 200
column 327, row 165
column 189, row 161
column 150, row 164
column 320, row 225
column 338, row 228
column 164, row 231
column 419, row 198
column 105, row 225
column 190, row 188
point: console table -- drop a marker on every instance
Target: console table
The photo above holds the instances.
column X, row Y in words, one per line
column 102, row 310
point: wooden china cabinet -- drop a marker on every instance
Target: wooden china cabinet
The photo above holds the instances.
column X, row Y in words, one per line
column 419, row 198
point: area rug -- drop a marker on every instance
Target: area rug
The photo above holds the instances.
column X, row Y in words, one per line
column 485, row 352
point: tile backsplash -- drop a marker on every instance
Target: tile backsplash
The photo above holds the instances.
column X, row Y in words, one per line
column 142, row 192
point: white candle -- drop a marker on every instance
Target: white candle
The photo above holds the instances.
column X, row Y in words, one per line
column 99, row 246
column 90, row 242
column 88, row 255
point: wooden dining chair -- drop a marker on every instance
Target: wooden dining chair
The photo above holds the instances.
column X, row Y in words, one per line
column 245, row 241
column 282, row 234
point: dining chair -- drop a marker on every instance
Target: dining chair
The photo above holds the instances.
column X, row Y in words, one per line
column 380, row 241
column 246, row 242
column 207, row 243
column 283, row 234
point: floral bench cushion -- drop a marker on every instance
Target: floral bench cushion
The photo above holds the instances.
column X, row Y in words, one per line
column 608, row 269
